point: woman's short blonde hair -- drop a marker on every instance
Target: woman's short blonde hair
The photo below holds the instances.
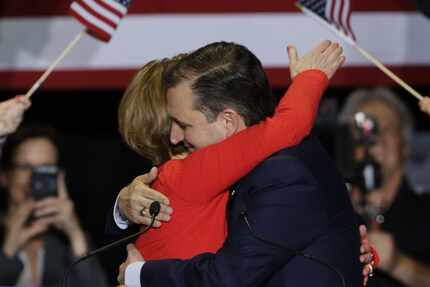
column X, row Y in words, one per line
column 142, row 116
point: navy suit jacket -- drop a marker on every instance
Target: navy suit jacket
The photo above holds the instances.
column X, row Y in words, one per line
column 295, row 202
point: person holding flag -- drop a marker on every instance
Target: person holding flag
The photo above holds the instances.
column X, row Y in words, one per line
column 335, row 15
column 100, row 19
column 11, row 114
column 31, row 253
column 425, row 105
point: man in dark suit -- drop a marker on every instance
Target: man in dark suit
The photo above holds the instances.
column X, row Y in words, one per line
column 290, row 221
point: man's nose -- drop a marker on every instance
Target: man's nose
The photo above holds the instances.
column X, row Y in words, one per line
column 176, row 134
column 376, row 150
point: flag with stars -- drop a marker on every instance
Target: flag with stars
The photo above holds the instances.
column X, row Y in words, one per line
column 336, row 12
column 100, row 17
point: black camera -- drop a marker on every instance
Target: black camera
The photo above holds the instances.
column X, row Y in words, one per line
column 367, row 170
column 44, row 182
column 364, row 172
column 354, row 143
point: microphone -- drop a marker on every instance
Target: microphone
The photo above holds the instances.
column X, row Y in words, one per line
column 154, row 210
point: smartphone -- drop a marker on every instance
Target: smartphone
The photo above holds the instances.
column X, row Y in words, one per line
column 44, row 182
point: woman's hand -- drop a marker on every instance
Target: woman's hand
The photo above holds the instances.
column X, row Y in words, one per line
column 327, row 57
column 18, row 233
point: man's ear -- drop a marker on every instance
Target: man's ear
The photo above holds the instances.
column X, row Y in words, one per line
column 231, row 121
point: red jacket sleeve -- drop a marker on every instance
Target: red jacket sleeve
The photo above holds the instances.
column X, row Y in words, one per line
column 212, row 170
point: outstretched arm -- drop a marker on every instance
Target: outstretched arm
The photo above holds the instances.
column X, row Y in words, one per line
column 295, row 116
column 219, row 166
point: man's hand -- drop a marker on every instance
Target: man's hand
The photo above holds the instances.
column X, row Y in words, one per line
column 327, row 57
column 11, row 114
column 425, row 105
column 133, row 255
column 135, row 199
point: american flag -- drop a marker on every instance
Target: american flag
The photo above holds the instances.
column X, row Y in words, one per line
column 175, row 26
column 335, row 12
column 100, row 17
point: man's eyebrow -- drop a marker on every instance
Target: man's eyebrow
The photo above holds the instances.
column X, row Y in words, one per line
column 179, row 121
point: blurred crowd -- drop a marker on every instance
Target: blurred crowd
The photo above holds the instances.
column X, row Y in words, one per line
column 381, row 128
column 41, row 234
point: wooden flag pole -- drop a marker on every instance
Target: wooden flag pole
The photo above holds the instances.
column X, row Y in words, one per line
column 63, row 54
column 387, row 72
column 363, row 52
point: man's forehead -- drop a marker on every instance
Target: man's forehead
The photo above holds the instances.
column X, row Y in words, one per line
column 179, row 103
column 182, row 88
column 180, row 96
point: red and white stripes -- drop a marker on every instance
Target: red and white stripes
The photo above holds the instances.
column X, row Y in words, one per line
column 163, row 28
column 340, row 13
column 100, row 17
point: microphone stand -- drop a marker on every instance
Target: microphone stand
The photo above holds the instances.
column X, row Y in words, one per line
column 154, row 210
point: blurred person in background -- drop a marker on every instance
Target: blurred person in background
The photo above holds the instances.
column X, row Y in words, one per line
column 397, row 217
column 40, row 232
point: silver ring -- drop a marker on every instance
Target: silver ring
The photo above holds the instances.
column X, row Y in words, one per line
column 371, row 270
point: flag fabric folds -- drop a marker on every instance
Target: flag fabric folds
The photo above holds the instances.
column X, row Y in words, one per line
column 335, row 12
column 100, row 17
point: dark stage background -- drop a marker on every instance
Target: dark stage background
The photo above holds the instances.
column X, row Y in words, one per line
column 98, row 163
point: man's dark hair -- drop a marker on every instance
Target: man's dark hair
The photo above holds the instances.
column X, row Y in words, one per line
column 23, row 134
column 225, row 75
